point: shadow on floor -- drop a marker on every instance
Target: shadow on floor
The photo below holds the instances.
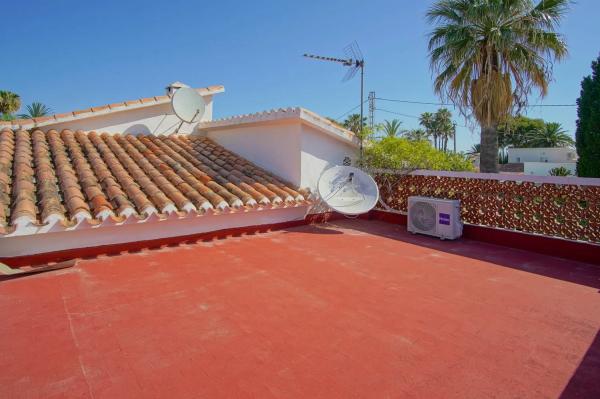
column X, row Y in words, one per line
column 548, row 266
column 585, row 382
column 314, row 229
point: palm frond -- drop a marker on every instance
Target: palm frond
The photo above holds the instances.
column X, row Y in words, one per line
column 36, row 110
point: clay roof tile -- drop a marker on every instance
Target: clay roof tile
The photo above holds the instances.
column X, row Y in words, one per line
column 61, row 174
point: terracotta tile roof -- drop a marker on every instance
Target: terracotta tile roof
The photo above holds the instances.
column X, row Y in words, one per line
column 98, row 110
column 74, row 177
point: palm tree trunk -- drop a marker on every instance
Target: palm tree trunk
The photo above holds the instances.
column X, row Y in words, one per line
column 489, row 150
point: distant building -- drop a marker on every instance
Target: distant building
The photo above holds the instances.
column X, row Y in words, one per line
column 539, row 161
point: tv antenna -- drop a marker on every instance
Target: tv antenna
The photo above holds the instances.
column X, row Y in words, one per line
column 188, row 105
column 354, row 61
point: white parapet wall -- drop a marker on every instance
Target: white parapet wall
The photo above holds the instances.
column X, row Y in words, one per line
column 554, row 154
column 293, row 143
column 544, row 168
column 152, row 115
column 133, row 229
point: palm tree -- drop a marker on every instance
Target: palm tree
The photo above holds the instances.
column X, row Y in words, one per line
column 35, row 110
column 489, row 54
column 444, row 127
column 353, row 123
column 9, row 102
column 416, row 135
column 427, row 120
column 552, row 135
column 391, row 128
column 475, row 149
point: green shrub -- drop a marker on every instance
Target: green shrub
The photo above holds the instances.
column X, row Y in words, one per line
column 560, row 171
column 400, row 153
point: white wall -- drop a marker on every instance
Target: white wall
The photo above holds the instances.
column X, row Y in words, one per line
column 543, row 168
column 150, row 119
column 141, row 230
column 274, row 146
column 320, row 152
column 559, row 154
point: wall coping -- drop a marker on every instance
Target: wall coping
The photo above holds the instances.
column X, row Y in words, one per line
column 283, row 115
column 558, row 180
column 101, row 110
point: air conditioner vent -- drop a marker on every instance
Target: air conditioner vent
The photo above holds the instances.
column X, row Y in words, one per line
column 423, row 216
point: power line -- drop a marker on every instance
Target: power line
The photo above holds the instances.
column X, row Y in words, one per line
column 413, row 102
column 406, row 115
column 397, row 113
column 350, row 110
column 450, row 104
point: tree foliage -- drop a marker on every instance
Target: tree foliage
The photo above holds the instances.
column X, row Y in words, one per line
column 36, row 110
column 416, row 135
column 551, row 135
column 9, row 102
column 588, row 124
column 524, row 132
column 391, row 128
column 353, row 123
column 439, row 127
column 401, row 153
column 513, row 131
column 489, row 54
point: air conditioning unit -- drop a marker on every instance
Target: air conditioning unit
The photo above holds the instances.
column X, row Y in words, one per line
column 434, row 217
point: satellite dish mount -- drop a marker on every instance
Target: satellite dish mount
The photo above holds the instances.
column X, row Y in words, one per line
column 188, row 105
column 348, row 190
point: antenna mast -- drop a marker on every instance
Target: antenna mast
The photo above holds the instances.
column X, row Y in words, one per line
column 371, row 110
column 355, row 61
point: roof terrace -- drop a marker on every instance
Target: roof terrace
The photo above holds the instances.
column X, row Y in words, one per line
column 349, row 308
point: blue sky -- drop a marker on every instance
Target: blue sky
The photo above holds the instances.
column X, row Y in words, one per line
column 71, row 55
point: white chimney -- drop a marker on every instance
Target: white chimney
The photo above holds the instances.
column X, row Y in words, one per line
column 173, row 87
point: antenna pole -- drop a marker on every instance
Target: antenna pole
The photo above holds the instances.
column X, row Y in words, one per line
column 354, row 61
column 454, row 136
column 362, row 84
column 371, row 109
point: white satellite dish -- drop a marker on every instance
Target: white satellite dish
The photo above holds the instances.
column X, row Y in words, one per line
column 188, row 105
column 348, row 190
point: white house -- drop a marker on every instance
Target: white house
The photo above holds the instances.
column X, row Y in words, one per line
column 295, row 142
column 539, row 161
column 552, row 155
column 130, row 172
column 149, row 115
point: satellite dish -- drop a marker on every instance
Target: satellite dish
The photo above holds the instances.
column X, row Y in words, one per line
column 188, row 105
column 348, row 190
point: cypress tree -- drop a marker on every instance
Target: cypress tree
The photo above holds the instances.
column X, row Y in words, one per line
column 587, row 135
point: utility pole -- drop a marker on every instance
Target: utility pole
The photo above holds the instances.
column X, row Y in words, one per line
column 454, row 135
column 371, row 110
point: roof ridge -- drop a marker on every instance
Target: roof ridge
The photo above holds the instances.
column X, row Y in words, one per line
column 98, row 110
column 259, row 114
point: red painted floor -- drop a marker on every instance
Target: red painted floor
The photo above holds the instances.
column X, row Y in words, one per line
column 350, row 309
